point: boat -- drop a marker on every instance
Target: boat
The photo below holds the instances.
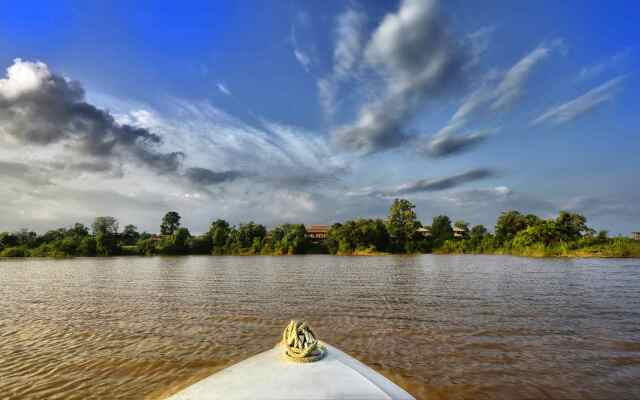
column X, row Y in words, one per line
column 299, row 367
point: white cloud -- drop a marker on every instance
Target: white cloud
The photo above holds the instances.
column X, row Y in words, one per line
column 415, row 55
column 349, row 32
column 427, row 185
column 23, row 77
column 223, row 89
column 496, row 91
column 349, row 37
column 570, row 110
column 303, row 58
column 511, row 86
column 594, row 70
column 301, row 21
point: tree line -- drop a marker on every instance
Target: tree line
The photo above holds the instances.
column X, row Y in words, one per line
column 401, row 233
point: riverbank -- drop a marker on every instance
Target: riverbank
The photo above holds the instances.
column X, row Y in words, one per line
column 615, row 248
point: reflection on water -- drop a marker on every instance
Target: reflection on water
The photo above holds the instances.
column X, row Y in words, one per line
column 443, row 327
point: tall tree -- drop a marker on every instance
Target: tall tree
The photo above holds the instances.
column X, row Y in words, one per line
column 130, row 234
column 441, row 229
column 402, row 224
column 105, row 225
column 170, row 223
column 79, row 230
column 509, row 224
column 463, row 227
column 571, row 226
column 219, row 232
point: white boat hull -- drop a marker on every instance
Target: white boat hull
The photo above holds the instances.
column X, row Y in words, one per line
column 269, row 375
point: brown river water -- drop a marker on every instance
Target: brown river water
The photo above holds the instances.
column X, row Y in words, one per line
column 442, row 327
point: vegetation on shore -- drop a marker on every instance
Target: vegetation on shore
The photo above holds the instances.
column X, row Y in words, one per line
column 400, row 233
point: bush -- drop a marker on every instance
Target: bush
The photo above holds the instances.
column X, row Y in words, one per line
column 14, row 252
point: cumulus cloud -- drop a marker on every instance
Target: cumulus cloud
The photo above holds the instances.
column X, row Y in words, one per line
column 583, row 104
column 41, row 108
column 429, row 185
column 415, row 55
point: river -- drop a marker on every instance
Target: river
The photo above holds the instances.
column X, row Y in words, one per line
column 442, row 327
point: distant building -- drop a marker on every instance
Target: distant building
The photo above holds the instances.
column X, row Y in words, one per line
column 635, row 235
column 425, row 231
column 458, row 232
column 317, row 232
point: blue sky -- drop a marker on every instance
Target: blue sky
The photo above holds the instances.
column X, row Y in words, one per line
column 317, row 111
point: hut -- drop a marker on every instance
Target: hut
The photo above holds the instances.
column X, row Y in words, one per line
column 317, row 233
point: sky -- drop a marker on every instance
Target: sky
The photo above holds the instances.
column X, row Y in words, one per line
column 316, row 112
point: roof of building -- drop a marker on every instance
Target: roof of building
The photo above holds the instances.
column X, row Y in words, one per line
column 317, row 228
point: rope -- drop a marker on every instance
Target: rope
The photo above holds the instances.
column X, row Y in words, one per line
column 301, row 344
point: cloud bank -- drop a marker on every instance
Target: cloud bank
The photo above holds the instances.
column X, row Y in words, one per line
column 41, row 108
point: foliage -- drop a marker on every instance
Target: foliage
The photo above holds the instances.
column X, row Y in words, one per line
column 287, row 239
column 199, row 244
column 170, row 223
column 515, row 233
column 130, row 235
column 441, row 230
column 105, row 225
column 219, row 233
column 358, row 235
column 402, row 224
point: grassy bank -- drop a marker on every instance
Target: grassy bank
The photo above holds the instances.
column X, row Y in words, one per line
column 619, row 247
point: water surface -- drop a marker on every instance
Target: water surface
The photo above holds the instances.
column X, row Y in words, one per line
column 443, row 327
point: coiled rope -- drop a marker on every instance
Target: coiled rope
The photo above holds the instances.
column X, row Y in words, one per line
column 300, row 343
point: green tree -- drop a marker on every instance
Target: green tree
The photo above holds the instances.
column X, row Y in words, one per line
column 170, row 223
column 289, row 239
column 509, row 224
column 360, row 234
column 105, row 225
column 219, row 233
column 572, row 226
column 178, row 243
column 105, row 230
column 476, row 237
column 8, row 239
column 78, row 230
column 402, row 224
column 441, row 230
column 200, row 244
column 87, row 247
column 248, row 237
column 130, row 235
column 463, row 227
column 106, row 244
